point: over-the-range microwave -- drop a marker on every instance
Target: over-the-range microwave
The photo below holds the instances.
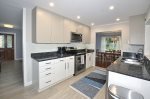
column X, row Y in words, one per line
column 76, row 37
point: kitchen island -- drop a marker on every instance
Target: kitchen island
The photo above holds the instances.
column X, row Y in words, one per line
column 134, row 77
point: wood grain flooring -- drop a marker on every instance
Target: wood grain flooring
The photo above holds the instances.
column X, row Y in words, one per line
column 62, row 90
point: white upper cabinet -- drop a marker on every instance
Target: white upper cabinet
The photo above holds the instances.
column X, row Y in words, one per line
column 41, row 26
column 49, row 27
column 80, row 28
column 67, row 30
column 57, row 29
column 86, row 34
column 137, row 29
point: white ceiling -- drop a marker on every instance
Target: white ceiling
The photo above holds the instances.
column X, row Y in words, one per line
column 90, row 10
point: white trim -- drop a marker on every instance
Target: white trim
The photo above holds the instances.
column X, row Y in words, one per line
column 109, row 24
column 18, row 59
column 28, row 84
column 24, row 48
column 14, row 42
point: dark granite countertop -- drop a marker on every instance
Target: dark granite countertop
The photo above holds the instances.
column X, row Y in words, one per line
column 54, row 55
column 138, row 71
column 89, row 51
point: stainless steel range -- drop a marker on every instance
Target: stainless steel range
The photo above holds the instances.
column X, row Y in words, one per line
column 80, row 58
column 79, row 63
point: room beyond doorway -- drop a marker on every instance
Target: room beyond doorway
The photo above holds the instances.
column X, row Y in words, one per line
column 108, row 47
column 7, row 46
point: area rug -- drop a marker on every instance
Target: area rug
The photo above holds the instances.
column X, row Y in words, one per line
column 90, row 84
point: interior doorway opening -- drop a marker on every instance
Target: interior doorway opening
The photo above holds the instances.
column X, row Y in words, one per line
column 7, row 46
column 108, row 47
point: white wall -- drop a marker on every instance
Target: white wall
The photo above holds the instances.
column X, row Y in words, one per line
column 124, row 27
column 98, row 41
column 30, row 47
column 147, row 40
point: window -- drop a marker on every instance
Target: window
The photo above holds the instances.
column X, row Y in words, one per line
column 2, row 41
column 6, row 40
column 110, row 43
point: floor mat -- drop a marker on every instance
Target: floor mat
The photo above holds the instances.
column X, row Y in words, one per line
column 90, row 84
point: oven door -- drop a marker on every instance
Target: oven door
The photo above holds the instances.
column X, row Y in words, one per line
column 79, row 64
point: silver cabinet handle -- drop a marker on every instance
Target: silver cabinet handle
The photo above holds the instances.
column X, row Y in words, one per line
column 61, row 60
column 48, row 73
column 48, row 63
column 68, row 66
column 48, row 81
column 65, row 66
column 48, row 68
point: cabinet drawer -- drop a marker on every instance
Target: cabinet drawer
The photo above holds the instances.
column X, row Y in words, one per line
column 46, row 68
column 45, row 63
column 46, row 73
column 44, row 82
column 71, row 59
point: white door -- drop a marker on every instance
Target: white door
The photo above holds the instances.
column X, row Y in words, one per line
column 60, row 69
column 70, row 66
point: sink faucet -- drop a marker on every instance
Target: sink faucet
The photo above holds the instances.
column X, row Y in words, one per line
column 140, row 50
column 140, row 53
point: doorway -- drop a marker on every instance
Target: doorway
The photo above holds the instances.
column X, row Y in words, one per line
column 108, row 47
column 7, row 46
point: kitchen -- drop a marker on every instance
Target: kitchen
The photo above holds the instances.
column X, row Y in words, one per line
column 56, row 46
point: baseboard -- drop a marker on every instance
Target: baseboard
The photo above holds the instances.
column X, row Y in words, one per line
column 28, row 84
column 18, row 59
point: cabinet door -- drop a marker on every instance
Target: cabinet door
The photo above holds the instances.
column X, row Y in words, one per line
column 42, row 26
column 87, row 60
column 73, row 26
column 60, row 69
column 70, row 66
column 86, row 34
column 67, row 31
column 57, row 29
column 80, row 28
column 137, row 29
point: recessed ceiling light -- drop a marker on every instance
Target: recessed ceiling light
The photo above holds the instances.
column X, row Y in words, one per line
column 111, row 8
column 8, row 26
column 92, row 24
column 118, row 19
column 51, row 4
column 78, row 17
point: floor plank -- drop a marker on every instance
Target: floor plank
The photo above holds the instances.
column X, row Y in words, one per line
column 15, row 89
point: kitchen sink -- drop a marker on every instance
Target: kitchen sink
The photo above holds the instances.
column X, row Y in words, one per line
column 132, row 61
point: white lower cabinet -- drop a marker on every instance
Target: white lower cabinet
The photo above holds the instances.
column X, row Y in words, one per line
column 50, row 72
column 139, row 85
column 69, row 66
column 89, row 60
column 60, row 69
